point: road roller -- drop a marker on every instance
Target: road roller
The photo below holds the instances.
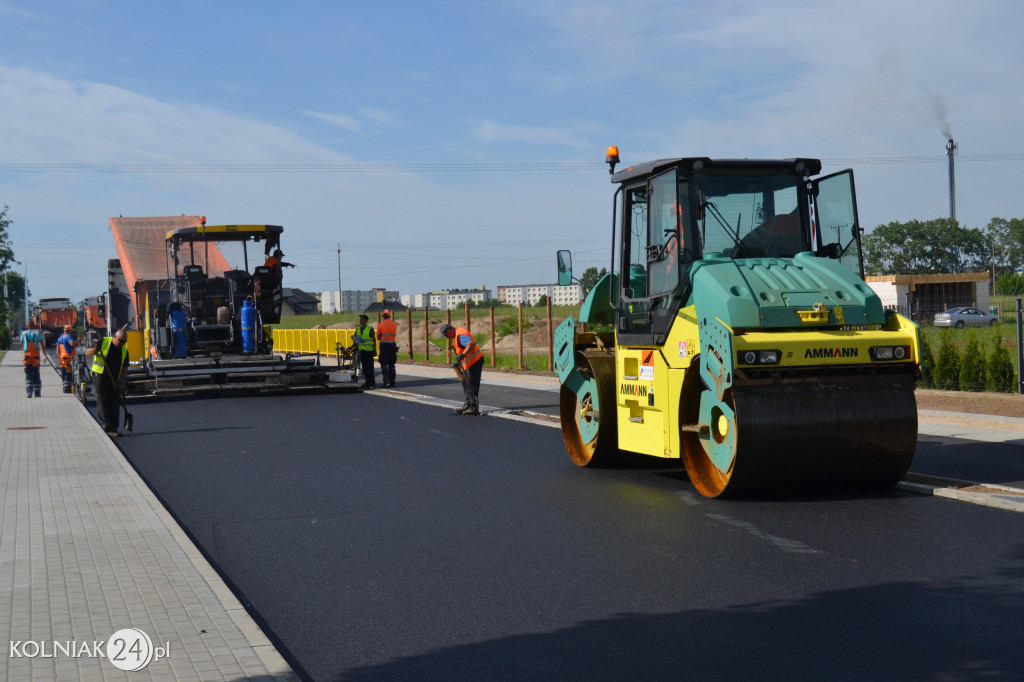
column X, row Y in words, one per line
column 734, row 330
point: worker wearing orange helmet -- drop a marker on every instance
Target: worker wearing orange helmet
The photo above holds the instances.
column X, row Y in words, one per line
column 66, row 354
column 469, row 364
column 387, row 333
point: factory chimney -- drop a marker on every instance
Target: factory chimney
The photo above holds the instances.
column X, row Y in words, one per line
column 951, row 152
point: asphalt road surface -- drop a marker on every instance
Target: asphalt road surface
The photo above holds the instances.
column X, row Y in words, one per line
column 383, row 539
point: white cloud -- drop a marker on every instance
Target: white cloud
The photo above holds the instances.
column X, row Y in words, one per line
column 379, row 117
column 489, row 131
column 344, row 122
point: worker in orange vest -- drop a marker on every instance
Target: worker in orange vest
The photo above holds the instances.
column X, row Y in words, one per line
column 32, row 343
column 387, row 332
column 276, row 264
column 469, row 362
column 66, row 355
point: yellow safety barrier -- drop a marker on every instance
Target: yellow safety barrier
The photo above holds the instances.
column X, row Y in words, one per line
column 311, row 341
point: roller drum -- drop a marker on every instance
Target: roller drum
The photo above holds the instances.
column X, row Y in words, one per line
column 842, row 432
column 588, row 416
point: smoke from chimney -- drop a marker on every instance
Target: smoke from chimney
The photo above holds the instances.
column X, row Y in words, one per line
column 940, row 112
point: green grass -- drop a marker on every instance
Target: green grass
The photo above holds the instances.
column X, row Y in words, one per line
column 458, row 316
column 531, row 362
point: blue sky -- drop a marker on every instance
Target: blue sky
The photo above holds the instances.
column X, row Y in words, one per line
column 457, row 144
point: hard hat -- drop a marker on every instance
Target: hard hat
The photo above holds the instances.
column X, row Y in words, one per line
column 68, row 328
column 278, row 253
column 444, row 329
column 386, row 313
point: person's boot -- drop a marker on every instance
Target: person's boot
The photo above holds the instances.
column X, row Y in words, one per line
column 474, row 409
column 462, row 410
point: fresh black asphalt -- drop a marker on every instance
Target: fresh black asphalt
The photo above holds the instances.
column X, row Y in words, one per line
column 383, row 539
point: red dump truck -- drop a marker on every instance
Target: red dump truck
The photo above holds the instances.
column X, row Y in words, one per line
column 52, row 315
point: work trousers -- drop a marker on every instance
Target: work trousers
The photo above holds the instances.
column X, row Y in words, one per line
column 366, row 360
column 471, row 384
column 388, row 357
column 33, row 381
column 108, row 407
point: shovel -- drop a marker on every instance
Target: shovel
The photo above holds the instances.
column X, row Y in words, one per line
column 120, row 398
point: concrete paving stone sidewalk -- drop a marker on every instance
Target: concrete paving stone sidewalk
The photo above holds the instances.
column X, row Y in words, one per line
column 86, row 551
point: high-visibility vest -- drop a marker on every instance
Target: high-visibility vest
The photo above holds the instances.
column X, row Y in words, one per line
column 367, row 342
column 31, row 340
column 387, row 330
column 473, row 352
column 99, row 360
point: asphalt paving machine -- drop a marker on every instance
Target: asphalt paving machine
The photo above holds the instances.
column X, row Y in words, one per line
column 735, row 331
column 203, row 321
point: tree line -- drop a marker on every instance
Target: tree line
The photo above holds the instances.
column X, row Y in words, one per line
column 943, row 245
column 12, row 284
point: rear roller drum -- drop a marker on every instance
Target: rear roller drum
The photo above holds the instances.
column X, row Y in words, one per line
column 587, row 408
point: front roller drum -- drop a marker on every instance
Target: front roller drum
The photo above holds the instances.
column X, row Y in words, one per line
column 587, row 409
column 849, row 432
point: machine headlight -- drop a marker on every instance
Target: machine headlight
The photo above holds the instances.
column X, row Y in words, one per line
column 890, row 352
column 760, row 357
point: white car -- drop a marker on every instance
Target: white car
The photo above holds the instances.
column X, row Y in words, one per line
column 965, row 317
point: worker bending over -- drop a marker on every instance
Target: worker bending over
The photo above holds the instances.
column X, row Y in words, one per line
column 468, row 364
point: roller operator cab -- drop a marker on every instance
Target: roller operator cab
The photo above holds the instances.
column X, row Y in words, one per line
column 736, row 332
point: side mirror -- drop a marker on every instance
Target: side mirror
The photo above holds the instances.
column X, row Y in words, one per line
column 564, row 268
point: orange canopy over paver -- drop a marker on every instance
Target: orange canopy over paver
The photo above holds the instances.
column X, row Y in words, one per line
column 142, row 247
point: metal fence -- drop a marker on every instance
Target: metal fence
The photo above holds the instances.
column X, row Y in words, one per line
column 972, row 347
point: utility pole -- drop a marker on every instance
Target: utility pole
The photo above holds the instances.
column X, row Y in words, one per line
column 339, row 277
column 25, row 284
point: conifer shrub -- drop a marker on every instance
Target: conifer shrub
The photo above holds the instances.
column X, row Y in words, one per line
column 972, row 365
column 927, row 379
column 999, row 369
column 947, row 367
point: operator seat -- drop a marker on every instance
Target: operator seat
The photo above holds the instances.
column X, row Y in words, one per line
column 196, row 279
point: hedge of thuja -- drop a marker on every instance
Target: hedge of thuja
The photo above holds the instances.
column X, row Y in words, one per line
column 972, row 365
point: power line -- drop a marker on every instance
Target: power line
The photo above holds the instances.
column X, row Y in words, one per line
column 297, row 168
column 560, row 166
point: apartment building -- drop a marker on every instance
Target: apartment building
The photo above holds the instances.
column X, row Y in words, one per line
column 349, row 301
column 530, row 294
column 447, row 299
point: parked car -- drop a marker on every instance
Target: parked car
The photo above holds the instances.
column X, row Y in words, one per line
column 965, row 317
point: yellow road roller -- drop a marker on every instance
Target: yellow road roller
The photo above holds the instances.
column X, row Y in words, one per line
column 735, row 331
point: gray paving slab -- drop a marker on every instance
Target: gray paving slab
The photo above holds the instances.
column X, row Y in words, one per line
column 86, row 551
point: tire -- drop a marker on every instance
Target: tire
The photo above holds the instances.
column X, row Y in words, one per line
column 993, row 323
column 959, row 324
